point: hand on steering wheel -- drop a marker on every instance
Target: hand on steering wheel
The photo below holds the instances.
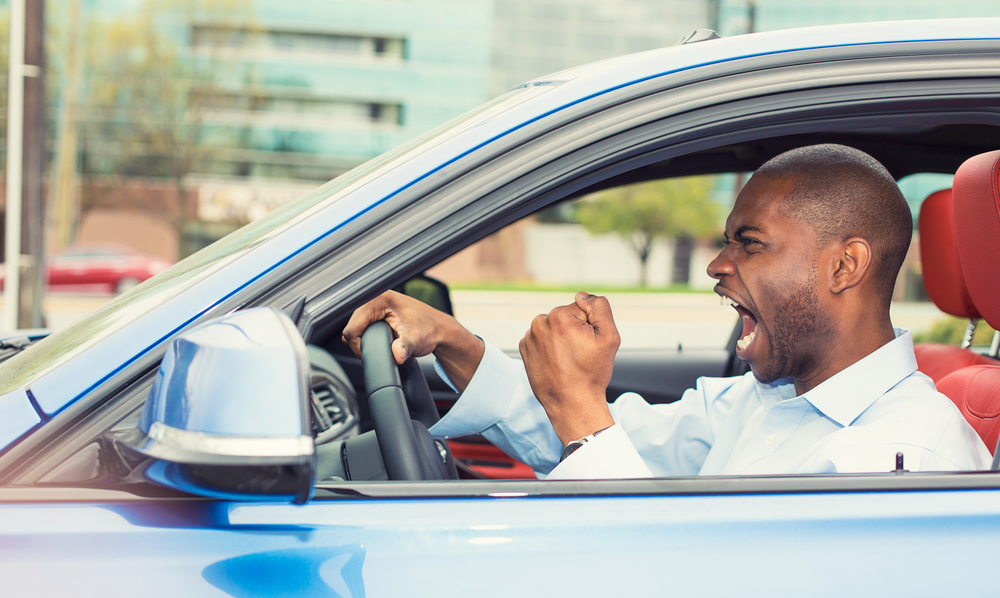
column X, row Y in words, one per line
column 407, row 449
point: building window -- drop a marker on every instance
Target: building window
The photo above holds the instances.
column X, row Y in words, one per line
column 297, row 110
column 206, row 36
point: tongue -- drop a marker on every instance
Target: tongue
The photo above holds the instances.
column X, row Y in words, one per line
column 749, row 325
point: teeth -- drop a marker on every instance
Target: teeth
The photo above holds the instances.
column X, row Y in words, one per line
column 743, row 343
column 727, row 301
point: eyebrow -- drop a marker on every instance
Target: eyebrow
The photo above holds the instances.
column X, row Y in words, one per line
column 742, row 230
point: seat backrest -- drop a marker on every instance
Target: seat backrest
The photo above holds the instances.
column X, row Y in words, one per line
column 976, row 208
column 976, row 392
column 937, row 360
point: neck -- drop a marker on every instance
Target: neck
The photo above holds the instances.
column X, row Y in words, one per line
column 845, row 347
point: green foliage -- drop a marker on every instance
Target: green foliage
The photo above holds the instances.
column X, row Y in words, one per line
column 645, row 212
column 950, row 331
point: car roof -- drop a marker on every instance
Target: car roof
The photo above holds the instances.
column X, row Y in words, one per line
column 622, row 70
column 903, row 152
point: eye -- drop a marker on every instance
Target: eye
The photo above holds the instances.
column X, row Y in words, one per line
column 749, row 244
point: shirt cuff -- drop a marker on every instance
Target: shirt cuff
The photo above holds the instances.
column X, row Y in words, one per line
column 444, row 376
column 498, row 403
column 608, row 456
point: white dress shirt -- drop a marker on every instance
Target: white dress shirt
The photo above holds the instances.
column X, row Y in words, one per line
column 854, row 422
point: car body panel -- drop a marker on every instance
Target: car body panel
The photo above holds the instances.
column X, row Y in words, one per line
column 17, row 416
column 634, row 545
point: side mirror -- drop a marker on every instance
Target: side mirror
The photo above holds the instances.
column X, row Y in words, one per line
column 228, row 413
column 429, row 290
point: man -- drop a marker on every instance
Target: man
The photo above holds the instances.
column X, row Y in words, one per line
column 813, row 246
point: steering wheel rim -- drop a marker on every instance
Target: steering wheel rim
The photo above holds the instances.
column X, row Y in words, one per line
column 387, row 405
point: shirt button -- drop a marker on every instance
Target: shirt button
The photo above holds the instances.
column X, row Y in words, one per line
column 769, row 438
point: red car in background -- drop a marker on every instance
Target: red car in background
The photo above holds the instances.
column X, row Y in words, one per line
column 111, row 268
column 99, row 268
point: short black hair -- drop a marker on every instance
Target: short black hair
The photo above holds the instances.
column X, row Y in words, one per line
column 841, row 193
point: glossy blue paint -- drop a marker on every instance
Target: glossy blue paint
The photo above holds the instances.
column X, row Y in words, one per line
column 17, row 416
column 240, row 375
column 146, row 324
column 873, row 544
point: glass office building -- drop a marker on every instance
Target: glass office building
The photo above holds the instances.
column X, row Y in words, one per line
column 733, row 16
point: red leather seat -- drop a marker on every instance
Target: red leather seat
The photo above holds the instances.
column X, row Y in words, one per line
column 976, row 391
column 945, row 285
column 976, row 206
column 937, row 360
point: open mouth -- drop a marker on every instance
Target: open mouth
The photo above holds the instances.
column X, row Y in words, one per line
column 748, row 320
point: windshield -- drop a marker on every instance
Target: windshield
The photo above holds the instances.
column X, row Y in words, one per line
column 63, row 345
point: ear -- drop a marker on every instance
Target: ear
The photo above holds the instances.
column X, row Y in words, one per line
column 851, row 263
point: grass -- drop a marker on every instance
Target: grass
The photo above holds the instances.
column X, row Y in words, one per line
column 949, row 331
column 590, row 288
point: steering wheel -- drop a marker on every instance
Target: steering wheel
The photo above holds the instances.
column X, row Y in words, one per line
column 407, row 448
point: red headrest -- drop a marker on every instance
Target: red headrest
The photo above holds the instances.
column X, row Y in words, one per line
column 939, row 257
column 976, row 205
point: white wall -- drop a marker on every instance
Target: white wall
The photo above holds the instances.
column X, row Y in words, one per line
column 568, row 254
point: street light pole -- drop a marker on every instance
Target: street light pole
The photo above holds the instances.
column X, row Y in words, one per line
column 15, row 146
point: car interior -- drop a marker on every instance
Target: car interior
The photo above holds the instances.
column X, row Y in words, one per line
column 661, row 376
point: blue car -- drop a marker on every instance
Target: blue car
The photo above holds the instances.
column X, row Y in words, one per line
column 208, row 434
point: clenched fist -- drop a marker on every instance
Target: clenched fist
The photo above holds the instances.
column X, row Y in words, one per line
column 569, row 355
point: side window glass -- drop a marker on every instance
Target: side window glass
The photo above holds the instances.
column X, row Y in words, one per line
column 645, row 246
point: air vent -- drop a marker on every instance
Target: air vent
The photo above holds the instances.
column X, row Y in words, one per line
column 335, row 410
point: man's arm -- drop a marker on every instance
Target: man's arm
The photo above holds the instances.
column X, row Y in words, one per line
column 420, row 330
column 569, row 355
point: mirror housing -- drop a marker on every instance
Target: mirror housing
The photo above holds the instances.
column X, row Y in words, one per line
column 228, row 413
column 429, row 290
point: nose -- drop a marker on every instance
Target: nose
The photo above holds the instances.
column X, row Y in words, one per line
column 722, row 265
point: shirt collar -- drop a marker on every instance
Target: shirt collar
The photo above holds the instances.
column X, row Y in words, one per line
column 849, row 392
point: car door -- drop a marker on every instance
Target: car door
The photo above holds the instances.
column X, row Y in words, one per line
column 697, row 537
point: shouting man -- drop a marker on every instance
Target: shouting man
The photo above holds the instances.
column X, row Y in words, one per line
column 813, row 246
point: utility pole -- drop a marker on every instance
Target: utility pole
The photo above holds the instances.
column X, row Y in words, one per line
column 15, row 138
column 33, row 213
column 25, row 163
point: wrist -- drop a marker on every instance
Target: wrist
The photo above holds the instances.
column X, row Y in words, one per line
column 582, row 423
column 458, row 351
column 572, row 446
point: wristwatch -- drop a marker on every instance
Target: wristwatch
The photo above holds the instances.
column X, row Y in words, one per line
column 575, row 444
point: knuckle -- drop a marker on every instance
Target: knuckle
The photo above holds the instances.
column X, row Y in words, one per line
column 561, row 315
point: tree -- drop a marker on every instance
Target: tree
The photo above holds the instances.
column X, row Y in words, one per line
column 645, row 212
column 149, row 96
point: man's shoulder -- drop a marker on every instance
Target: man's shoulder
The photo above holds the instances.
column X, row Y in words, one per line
column 914, row 416
column 915, row 406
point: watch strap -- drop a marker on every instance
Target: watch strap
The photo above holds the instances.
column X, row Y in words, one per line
column 572, row 446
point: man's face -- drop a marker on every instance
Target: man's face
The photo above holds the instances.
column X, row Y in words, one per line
column 769, row 269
